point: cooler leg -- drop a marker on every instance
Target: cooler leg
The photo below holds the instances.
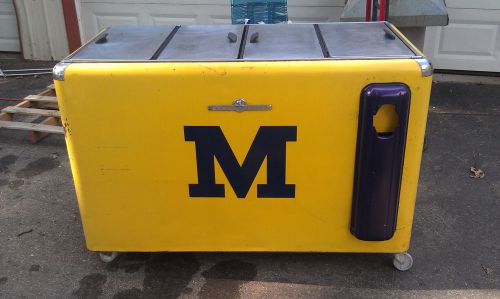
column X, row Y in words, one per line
column 402, row 261
column 108, row 257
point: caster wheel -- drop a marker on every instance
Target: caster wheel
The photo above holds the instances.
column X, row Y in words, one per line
column 108, row 257
column 402, row 261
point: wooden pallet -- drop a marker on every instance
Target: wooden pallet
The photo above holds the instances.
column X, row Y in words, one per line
column 43, row 105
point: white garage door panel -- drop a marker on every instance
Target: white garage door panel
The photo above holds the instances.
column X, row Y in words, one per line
column 471, row 41
column 484, row 36
column 302, row 3
column 43, row 30
column 339, row 3
column 103, row 21
column 482, row 4
column 181, row 2
column 307, row 14
column 97, row 16
column 9, row 38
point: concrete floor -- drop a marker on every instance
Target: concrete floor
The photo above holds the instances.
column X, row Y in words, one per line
column 455, row 245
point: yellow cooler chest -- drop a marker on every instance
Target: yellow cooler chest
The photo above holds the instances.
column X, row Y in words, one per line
column 289, row 137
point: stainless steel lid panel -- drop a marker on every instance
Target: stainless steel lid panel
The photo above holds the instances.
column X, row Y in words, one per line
column 202, row 42
column 245, row 42
column 125, row 42
column 360, row 40
column 282, row 42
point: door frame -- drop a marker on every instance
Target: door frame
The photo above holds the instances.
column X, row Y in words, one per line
column 72, row 22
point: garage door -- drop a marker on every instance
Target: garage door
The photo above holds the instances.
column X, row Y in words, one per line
column 99, row 14
column 472, row 39
column 9, row 38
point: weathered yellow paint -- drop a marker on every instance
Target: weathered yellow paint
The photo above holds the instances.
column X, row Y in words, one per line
column 132, row 167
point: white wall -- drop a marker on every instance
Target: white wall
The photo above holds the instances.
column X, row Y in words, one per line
column 42, row 27
column 472, row 39
column 9, row 38
column 98, row 14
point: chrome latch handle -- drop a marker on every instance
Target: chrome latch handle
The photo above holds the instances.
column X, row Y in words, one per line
column 239, row 105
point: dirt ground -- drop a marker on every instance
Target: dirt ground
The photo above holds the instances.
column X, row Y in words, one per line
column 455, row 243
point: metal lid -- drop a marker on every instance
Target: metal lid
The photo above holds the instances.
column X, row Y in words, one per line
column 201, row 42
column 363, row 40
column 282, row 42
column 125, row 42
column 246, row 42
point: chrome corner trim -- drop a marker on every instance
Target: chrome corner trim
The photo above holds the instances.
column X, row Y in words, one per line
column 425, row 66
column 59, row 69
column 239, row 105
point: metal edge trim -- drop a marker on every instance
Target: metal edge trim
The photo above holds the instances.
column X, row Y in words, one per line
column 321, row 41
column 59, row 70
column 243, row 42
column 403, row 39
column 252, row 60
column 98, row 35
column 165, row 42
column 425, row 66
